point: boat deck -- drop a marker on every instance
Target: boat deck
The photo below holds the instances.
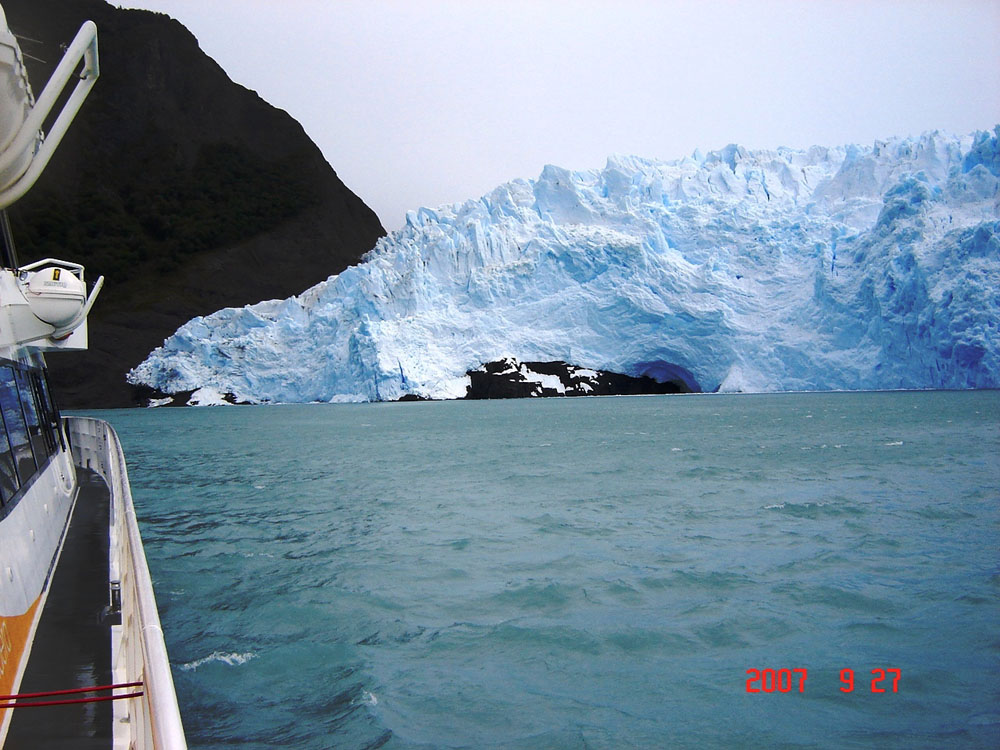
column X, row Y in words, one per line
column 72, row 646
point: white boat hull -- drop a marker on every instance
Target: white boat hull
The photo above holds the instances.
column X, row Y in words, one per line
column 31, row 536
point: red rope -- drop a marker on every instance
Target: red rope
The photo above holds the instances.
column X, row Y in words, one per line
column 96, row 699
column 94, row 689
column 71, row 691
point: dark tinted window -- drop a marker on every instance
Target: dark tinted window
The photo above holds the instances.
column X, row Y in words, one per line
column 17, row 430
column 47, row 413
column 8, row 476
column 31, row 417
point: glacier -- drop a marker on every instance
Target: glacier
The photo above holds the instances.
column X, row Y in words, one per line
column 828, row 268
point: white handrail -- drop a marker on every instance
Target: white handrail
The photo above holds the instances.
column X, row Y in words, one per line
column 154, row 721
column 81, row 316
column 84, row 47
column 69, row 265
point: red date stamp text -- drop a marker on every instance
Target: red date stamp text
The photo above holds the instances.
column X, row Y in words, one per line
column 794, row 680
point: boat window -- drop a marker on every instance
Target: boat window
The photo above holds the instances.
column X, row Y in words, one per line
column 8, row 476
column 17, row 430
column 47, row 413
column 31, row 417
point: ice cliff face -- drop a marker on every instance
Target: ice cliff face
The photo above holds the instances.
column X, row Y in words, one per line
column 832, row 268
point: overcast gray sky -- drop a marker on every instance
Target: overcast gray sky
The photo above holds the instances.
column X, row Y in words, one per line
column 425, row 102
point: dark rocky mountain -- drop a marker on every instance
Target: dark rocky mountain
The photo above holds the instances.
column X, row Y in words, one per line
column 187, row 191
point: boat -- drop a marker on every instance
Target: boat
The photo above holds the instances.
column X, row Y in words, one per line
column 83, row 662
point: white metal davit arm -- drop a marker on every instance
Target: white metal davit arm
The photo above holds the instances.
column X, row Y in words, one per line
column 84, row 47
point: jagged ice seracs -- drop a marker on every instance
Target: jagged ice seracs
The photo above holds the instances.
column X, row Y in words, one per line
column 857, row 267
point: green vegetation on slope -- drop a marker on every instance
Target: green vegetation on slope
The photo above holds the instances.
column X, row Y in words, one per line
column 229, row 194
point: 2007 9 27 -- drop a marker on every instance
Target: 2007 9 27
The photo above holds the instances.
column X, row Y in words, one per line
column 784, row 680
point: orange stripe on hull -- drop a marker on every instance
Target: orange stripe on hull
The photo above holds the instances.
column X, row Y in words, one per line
column 14, row 633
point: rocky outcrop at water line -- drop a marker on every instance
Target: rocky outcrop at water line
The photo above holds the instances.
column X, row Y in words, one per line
column 509, row 378
column 504, row 378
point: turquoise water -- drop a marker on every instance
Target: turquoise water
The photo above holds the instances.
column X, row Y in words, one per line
column 578, row 573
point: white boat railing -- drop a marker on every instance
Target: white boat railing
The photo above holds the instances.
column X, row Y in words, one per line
column 138, row 649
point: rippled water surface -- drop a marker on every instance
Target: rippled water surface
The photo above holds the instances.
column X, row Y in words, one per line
column 578, row 573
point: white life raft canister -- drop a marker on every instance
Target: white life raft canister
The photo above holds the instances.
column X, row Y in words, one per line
column 55, row 295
